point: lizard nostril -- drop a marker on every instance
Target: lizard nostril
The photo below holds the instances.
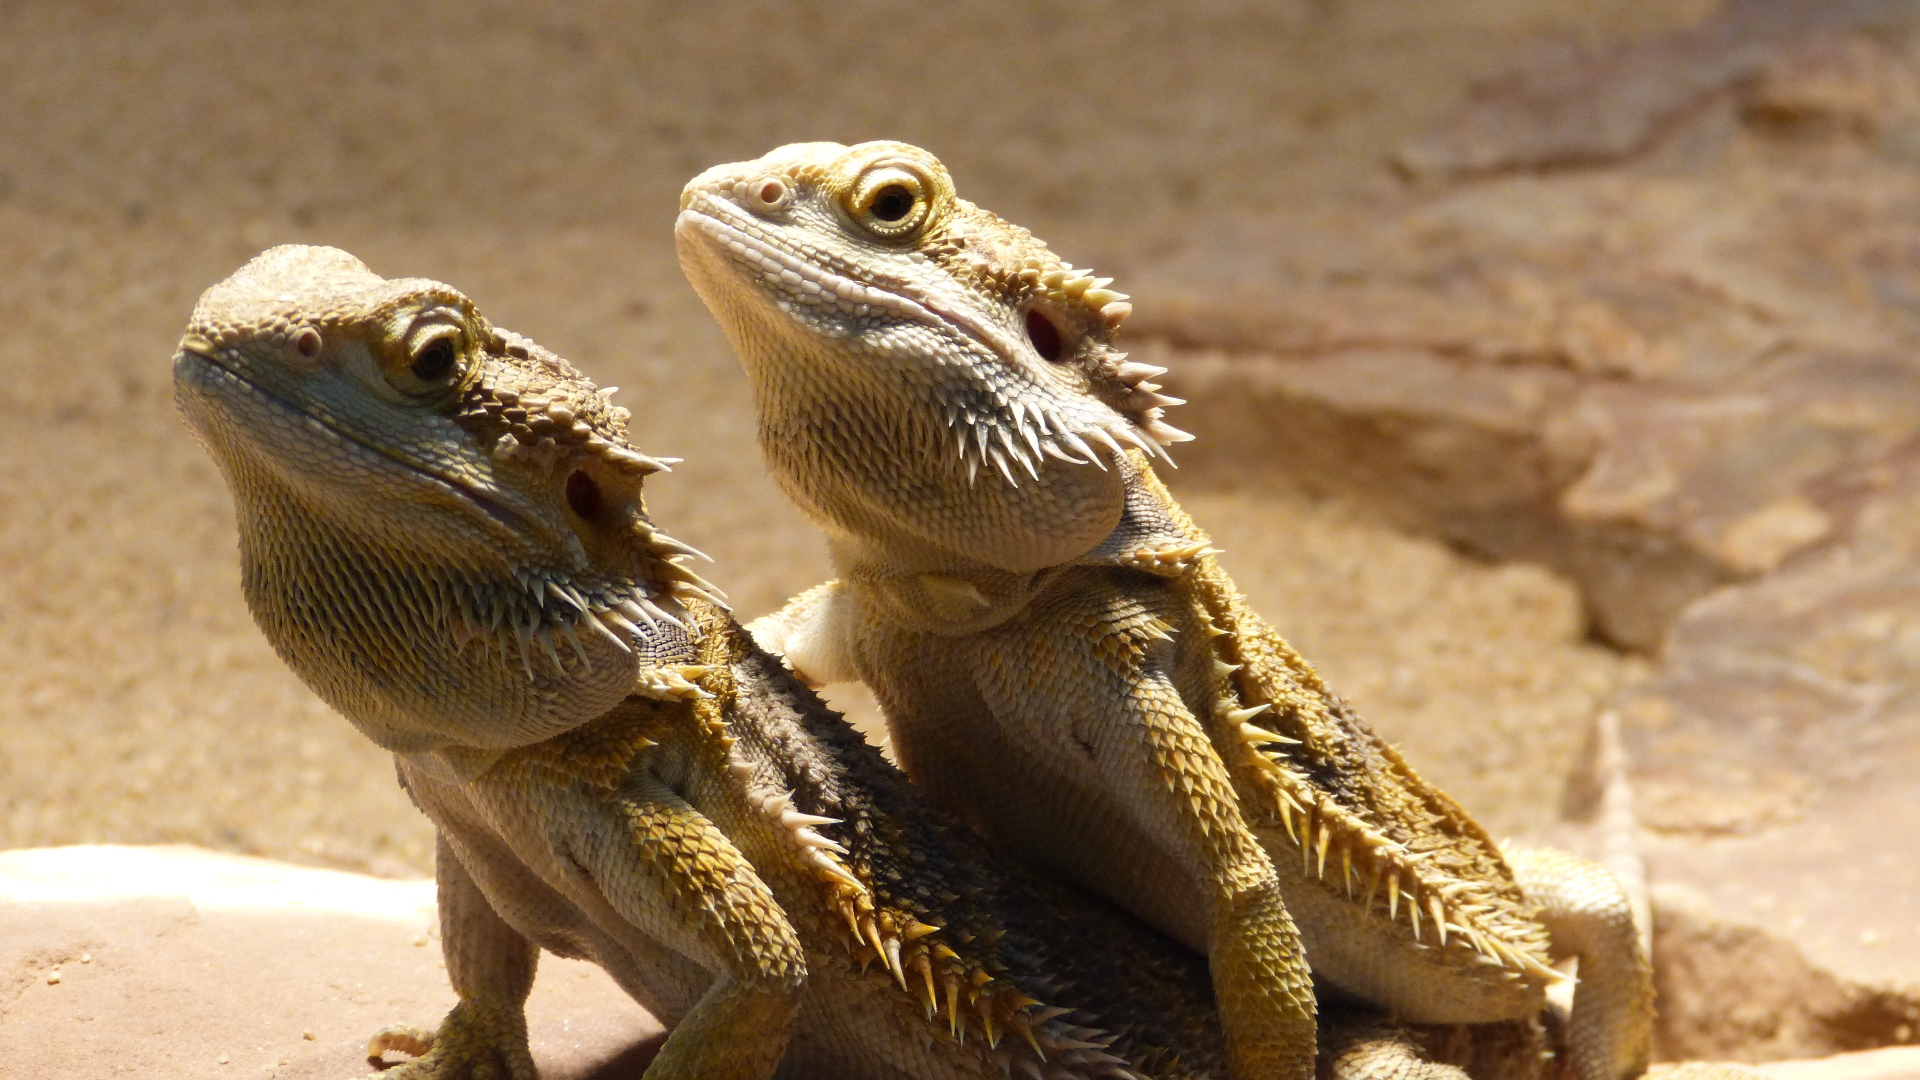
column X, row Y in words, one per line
column 583, row 495
column 308, row 342
column 770, row 193
column 1044, row 335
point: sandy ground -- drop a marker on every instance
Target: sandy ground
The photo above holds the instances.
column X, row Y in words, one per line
column 532, row 158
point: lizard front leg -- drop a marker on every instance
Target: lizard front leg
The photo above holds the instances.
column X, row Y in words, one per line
column 669, row 871
column 1260, row 976
column 1086, row 681
column 491, row 967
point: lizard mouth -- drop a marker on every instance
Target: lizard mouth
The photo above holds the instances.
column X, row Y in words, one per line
column 796, row 269
column 994, row 428
column 211, row 367
column 518, row 614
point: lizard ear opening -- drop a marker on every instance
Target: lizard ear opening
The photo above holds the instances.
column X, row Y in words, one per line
column 1044, row 335
column 583, row 494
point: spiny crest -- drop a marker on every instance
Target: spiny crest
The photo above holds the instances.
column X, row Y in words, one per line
column 546, row 427
column 1167, row 561
column 1071, row 316
column 534, row 408
column 1028, row 430
column 1022, row 429
column 1451, row 911
column 531, row 624
column 542, row 408
column 979, row 999
column 1064, row 288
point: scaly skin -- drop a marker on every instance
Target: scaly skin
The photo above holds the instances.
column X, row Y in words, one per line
column 442, row 533
column 1062, row 660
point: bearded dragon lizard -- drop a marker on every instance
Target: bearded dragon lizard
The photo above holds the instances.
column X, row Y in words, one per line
column 1061, row 658
column 442, row 533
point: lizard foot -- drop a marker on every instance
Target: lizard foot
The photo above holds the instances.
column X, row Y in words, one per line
column 475, row 1042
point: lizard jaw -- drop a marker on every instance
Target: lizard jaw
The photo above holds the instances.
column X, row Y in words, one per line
column 200, row 370
column 726, row 226
column 552, row 640
column 996, row 426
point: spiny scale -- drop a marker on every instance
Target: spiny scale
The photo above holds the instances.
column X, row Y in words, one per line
column 523, row 626
column 555, row 798
column 1324, row 827
column 977, row 1003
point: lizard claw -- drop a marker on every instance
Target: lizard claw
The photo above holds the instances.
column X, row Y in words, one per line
column 475, row 1042
column 405, row 1038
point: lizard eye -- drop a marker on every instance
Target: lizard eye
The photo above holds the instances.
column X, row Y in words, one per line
column 891, row 202
column 432, row 363
column 432, row 360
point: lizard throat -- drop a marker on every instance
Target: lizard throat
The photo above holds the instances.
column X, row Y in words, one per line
column 518, row 615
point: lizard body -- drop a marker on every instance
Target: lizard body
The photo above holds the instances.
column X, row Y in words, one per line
column 442, row 533
column 1060, row 656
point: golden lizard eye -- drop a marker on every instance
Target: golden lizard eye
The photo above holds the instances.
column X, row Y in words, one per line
column 432, row 360
column 891, row 202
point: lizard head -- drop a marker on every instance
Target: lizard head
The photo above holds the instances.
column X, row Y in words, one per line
column 895, row 331
column 441, row 524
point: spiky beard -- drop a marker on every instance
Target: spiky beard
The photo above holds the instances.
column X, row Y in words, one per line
column 530, row 617
column 1021, row 433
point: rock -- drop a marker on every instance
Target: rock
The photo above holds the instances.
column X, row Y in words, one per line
column 179, row 962
column 1565, row 103
column 1902, row 1063
column 1778, row 750
column 1893, row 1064
column 1651, row 317
column 1733, row 991
column 1659, row 378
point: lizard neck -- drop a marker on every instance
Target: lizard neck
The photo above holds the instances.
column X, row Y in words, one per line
column 855, row 445
column 941, row 591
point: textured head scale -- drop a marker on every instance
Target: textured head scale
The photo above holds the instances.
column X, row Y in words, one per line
column 903, row 342
column 442, row 528
column 840, row 238
column 287, row 291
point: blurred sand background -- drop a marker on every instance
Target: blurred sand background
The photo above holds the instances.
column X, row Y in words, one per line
column 532, row 156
